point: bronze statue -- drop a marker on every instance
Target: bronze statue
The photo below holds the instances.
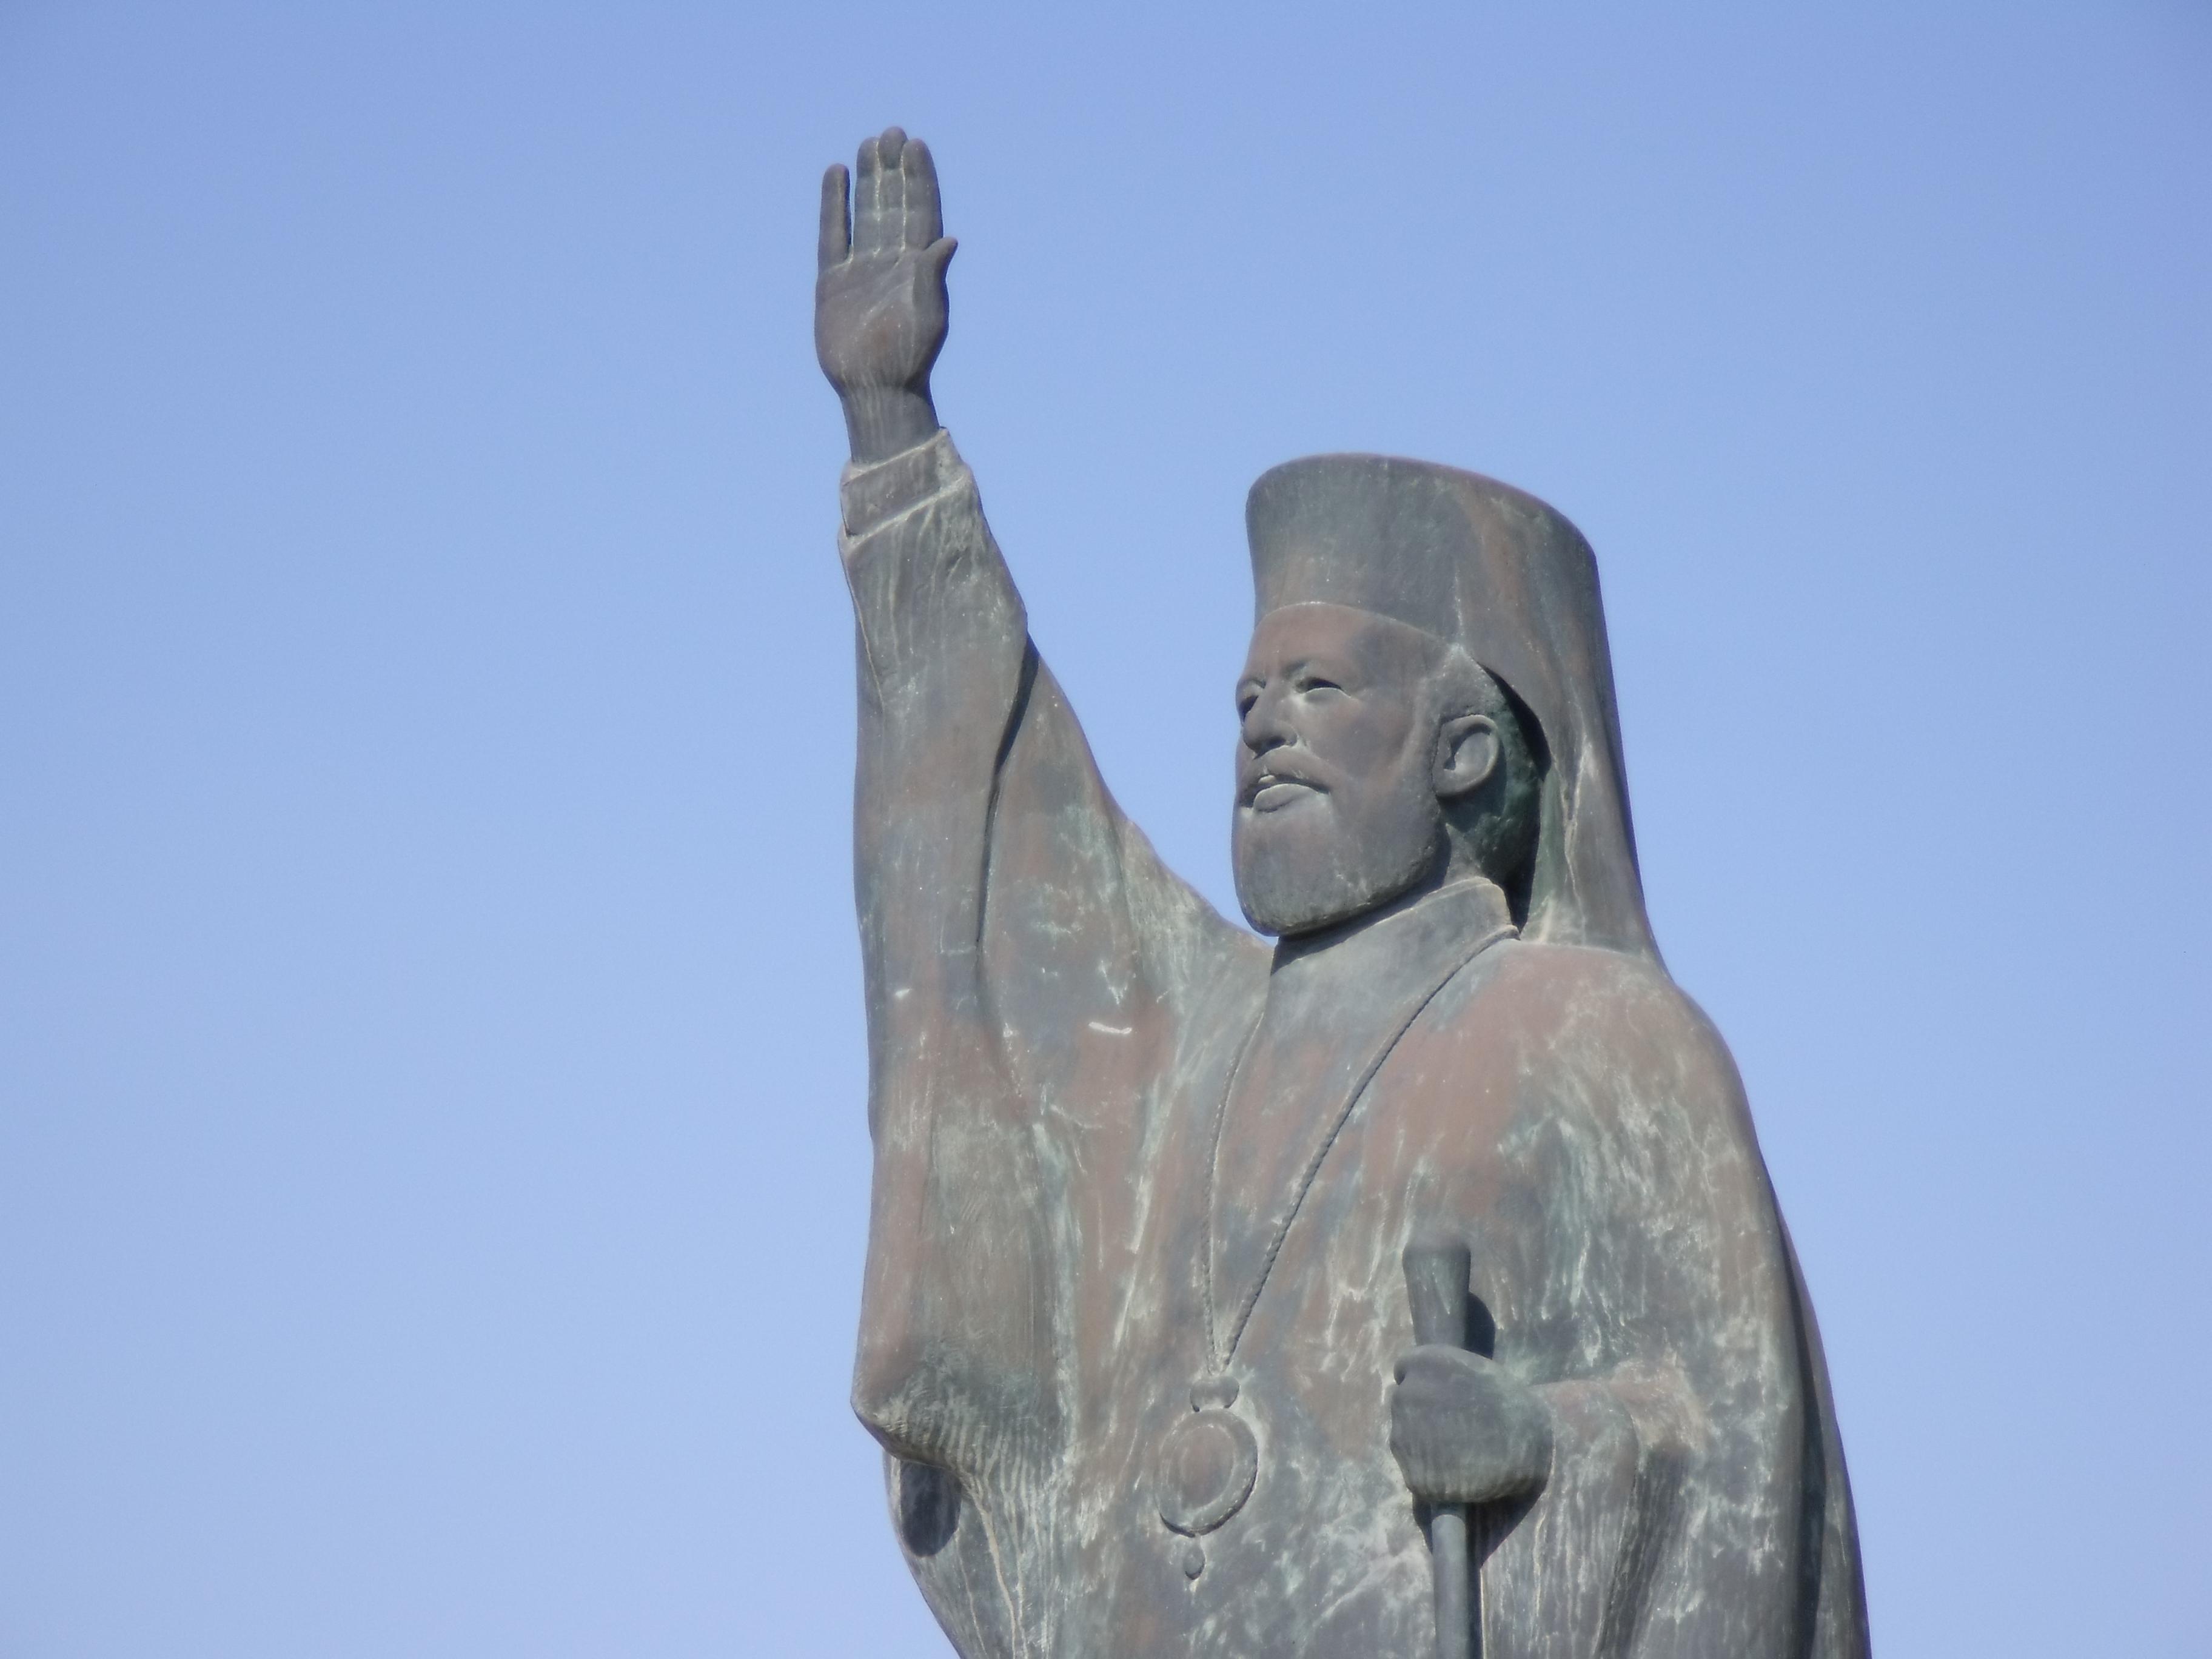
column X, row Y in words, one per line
column 1158, row 1204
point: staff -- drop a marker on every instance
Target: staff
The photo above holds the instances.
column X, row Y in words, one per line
column 1437, row 1273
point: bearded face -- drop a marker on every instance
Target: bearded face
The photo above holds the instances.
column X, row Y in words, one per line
column 1337, row 809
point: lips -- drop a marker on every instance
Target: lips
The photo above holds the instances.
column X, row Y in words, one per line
column 1271, row 791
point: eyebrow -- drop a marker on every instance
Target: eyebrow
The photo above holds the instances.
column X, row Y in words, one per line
column 1334, row 667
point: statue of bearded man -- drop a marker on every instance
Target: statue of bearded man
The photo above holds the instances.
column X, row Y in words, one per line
column 1135, row 1335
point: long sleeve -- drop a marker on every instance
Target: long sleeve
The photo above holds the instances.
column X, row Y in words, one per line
column 1030, row 965
column 1694, row 1472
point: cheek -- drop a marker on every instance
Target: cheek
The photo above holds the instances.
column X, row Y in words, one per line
column 1369, row 741
column 1334, row 729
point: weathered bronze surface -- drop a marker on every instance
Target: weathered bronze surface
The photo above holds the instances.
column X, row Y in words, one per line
column 1155, row 1199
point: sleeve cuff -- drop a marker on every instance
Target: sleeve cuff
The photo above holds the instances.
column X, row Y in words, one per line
column 873, row 494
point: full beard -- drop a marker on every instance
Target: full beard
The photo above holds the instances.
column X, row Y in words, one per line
column 1315, row 863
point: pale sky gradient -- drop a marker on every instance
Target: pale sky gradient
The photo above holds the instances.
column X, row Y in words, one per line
column 432, row 1167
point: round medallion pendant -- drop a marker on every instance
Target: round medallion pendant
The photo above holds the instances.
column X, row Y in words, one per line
column 1204, row 1469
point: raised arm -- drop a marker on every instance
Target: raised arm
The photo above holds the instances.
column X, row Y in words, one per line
column 1030, row 965
column 988, row 846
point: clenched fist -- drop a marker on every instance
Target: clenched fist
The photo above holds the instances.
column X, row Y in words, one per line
column 1465, row 1432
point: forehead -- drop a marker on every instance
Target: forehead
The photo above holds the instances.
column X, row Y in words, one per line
column 1379, row 645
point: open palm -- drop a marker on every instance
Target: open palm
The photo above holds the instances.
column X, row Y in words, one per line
column 879, row 298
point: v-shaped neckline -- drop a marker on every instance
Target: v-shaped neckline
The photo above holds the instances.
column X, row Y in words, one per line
column 1485, row 910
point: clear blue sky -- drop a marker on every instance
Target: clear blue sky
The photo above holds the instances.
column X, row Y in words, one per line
column 432, row 1171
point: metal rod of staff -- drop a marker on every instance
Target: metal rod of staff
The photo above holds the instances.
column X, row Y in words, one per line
column 1437, row 1277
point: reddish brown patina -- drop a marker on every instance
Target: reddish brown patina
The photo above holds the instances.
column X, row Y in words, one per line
column 1135, row 1333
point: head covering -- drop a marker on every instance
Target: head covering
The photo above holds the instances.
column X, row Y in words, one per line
column 1496, row 571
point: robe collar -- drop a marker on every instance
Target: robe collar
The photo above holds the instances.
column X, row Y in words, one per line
column 1399, row 938
column 1335, row 1008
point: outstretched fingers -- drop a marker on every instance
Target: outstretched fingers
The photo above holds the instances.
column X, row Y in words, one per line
column 867, row 198
column 879, row 206
column 924, row 211
column 891, row 229
column 890, row 204
column 836, row 242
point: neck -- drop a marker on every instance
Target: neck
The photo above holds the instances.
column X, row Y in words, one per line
column 1486, row 902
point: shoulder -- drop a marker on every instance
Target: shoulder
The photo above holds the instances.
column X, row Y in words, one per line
column 1583, row 1091
column 1564, row 998
column 1580, row 1033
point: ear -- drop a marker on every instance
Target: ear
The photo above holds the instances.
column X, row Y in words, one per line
column 1467, row 755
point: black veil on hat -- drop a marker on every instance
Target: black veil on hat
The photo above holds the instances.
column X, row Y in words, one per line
column 1496, row 571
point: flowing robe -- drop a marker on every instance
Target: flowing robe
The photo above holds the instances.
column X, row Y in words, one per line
column 1114, row 1136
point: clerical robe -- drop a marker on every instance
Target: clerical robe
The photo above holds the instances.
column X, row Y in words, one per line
column 1122, row 1146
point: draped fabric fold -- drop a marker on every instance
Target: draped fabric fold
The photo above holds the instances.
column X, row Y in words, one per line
column 1061, row 1164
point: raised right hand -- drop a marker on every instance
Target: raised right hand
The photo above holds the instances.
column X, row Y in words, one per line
column 880, row 307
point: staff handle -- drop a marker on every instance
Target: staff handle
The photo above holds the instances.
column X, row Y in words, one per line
column 1437, row 1276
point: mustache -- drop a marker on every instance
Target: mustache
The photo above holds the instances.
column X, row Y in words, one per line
column 1255, row 772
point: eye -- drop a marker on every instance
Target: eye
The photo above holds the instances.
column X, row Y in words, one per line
column 1311, row 683
column 1246, row 701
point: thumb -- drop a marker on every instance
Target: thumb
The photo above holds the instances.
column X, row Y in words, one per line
column 939, row 254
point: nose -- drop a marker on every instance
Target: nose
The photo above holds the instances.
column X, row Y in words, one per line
column 1265, row 726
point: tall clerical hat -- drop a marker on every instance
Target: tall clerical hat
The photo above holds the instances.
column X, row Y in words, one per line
column 1491, row 568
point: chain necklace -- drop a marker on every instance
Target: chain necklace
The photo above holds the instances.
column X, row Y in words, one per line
column 1210, row 1461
